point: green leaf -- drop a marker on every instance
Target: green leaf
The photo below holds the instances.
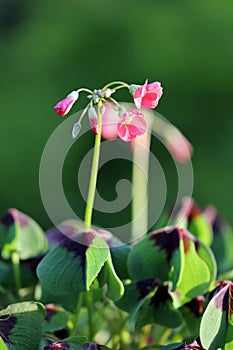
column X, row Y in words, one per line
column 192, row 312
column 22, row 234
column 21, row 324
column 74, row 264
column 173, row 346
column 189, row 216
column 200, row 228
column 96, row 255
column 216, row 324
column 76, row 340
column 115, row 288
column 56, row 319
column 119, row 256
column 222, row 245
column 3, row 345
column 199, row 267
column 157, row 255
column 148, row 301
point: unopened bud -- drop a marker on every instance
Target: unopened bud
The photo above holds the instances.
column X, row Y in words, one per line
column 93, row 119
column 107, row 93
column 76, row 129
column 95, row 98
column 74, row 95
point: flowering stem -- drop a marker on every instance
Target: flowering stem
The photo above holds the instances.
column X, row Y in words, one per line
column 94, row 172
column 86, row 90
column 114, row 101
column 123, row 84
column 84, row 112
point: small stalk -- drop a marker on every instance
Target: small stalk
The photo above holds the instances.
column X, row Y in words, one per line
column 94, row 172
column 16, row 270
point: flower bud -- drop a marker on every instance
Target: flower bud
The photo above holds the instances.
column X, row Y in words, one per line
column 64, row 106
column 76, row 129
column 107, row 93
column 93, row 119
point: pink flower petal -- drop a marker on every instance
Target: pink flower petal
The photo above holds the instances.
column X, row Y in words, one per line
column 148, row 95
column 131, row 124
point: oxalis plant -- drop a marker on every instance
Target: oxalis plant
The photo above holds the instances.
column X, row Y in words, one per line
column 77, row 286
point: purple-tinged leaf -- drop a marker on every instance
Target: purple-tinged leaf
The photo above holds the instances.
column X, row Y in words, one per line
column 157, row 256
column 20, row 325
column 56, row 318
column 149, row 301
column 20, row 233
column 188, row 215
column 216, row 325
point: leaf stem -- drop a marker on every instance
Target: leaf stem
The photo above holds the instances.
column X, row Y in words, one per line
column 16, row 269
column 89, row 302
column 78, row 309
column 94, row 172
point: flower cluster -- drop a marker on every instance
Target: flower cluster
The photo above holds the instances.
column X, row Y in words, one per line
column 107, row 116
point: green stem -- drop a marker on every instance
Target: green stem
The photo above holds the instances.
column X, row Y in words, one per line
column 86, row 90
column 78, row 310
column 84, row 112
column 16, row 269
column 114, row 101
column 94, row 172
column 89, row 302
column 116, row 83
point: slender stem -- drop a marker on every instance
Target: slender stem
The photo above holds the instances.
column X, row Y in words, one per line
column 115, row 83
column 84, row 112
column 16, row 269
column 89, row 302
column 78, row 310
column 86, row 90
column 114, row 101
column 121, row 87
column 94, row 172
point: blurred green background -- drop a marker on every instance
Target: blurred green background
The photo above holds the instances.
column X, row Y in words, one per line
column 49, row 48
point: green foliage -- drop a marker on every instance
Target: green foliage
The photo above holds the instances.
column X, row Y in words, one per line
column 20, row 325
column 162, row 287
column 20, row 233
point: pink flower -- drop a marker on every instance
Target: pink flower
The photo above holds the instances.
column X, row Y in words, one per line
column 110, row 121
column 131, row 124
column 148, row 95
column 64, row 106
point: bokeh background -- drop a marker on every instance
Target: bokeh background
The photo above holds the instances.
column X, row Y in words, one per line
column 49, row 48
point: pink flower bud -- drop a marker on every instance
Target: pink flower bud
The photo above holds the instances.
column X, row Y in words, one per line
column 93, row 119
column 148, row 95
column 131, row 124
column 64, row 106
